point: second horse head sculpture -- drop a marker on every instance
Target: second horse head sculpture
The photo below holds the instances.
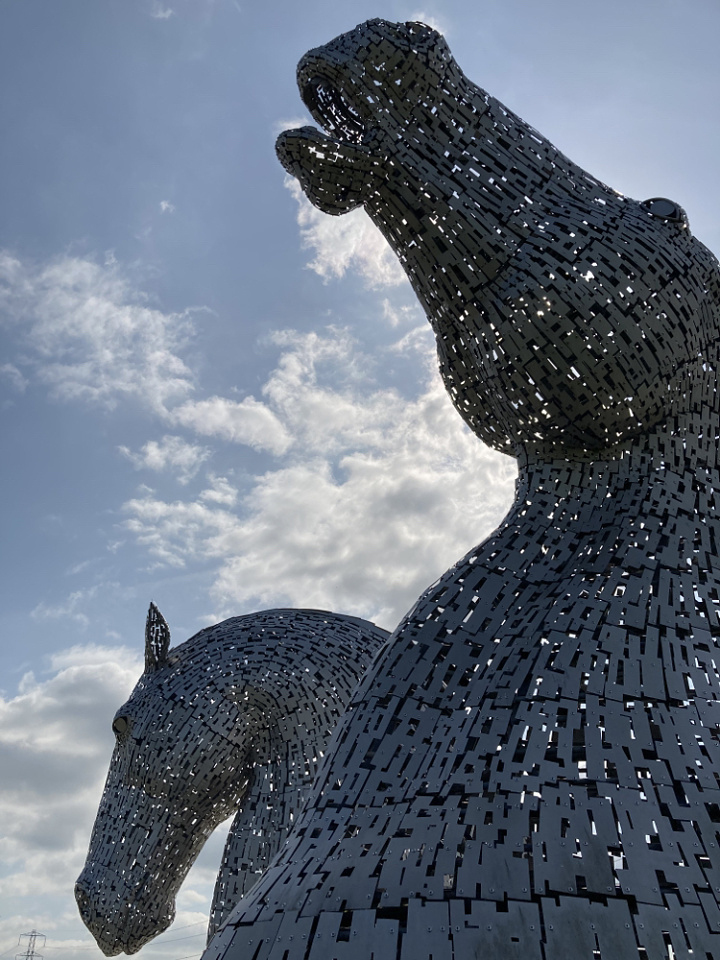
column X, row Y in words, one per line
column 233, row 721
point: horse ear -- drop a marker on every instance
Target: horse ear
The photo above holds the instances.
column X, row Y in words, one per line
column 157, row 640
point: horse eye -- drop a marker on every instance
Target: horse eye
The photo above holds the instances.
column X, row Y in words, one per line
column 665, row 209
column 120, row 726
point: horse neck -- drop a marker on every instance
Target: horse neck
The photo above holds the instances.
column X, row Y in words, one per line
column 277, row 791
column 293, row 694
column 658, row 494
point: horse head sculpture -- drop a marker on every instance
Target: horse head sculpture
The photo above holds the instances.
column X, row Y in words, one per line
column 234, row 719
column 567, row 316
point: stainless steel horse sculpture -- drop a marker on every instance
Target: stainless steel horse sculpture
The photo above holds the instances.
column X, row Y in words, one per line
column 235, row 719
column 531, row 768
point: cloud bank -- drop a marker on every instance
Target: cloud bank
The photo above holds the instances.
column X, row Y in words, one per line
column 348, row 243
column 374, row 491
column 375, row 496
column 88, row 334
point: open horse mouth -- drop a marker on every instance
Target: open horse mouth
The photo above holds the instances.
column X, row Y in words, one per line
column 336, row 165
column 337, row 113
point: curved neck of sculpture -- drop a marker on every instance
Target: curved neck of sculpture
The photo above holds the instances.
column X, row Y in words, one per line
column 294, row 701
column 275, row 796
column 629, row 491
column 686, row 441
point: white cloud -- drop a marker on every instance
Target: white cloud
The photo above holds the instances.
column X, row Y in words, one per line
column 422, row 16
column 16, row 380
column 220, row 491
column 319, row 392
column 167, row 207
column 169, row 453
column 292, row 123
column 181, row 530
column 70, row 609
column 376, row 496
column 350, row 242
column 158, row 12
column 89, row 335
column 401, row 315
column 248, row 421
column 56, row 741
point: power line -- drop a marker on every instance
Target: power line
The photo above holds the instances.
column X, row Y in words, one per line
column 190, row 936
column 52, row 946
column 186, row 926
column 93, row 946
column 32, row 954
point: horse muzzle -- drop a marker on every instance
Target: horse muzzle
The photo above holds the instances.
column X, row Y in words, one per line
column 109, row 911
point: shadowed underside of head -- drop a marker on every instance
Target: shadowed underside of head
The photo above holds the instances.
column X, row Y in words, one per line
column 565, row 314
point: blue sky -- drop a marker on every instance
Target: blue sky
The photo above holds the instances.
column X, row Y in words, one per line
column 215, row 397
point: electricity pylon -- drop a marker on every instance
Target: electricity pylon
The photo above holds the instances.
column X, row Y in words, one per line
column 30, row 953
